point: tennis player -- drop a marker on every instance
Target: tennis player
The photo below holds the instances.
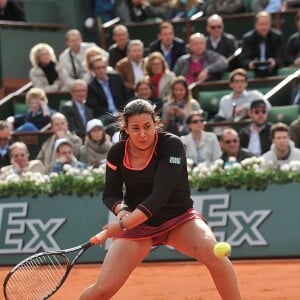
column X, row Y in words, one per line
column 156, row 208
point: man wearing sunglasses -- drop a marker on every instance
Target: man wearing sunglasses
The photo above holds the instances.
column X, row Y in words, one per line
column 230, row 145
column 256, row 136
column 220, row 41
column 4, row 144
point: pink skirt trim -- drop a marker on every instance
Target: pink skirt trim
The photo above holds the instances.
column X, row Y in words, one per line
column 160, row 233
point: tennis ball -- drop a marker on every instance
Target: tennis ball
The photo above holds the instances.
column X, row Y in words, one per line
column 222, row 249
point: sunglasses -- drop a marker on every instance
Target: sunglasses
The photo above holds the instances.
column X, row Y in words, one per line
column 216, row 27
column 259, row 111
column 234, row 141
column 196, row 121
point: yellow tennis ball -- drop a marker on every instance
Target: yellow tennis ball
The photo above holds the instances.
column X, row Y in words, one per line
column 222, row 249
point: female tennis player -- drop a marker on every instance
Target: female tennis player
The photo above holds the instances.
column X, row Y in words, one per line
column 156, row 207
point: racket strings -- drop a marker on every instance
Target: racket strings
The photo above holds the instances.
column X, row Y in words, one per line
column 37, row 277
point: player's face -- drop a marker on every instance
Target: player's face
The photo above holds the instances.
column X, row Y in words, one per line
column 141, row 130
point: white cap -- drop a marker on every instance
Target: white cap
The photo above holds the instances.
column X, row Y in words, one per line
column 61, row 141
column 92, row 124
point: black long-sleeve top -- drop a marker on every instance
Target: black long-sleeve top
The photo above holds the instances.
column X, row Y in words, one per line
column 160, row 189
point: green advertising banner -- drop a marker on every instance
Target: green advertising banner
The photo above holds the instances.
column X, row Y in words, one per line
column 258, row 224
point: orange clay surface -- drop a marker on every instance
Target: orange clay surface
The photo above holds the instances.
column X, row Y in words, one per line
column 258, row 280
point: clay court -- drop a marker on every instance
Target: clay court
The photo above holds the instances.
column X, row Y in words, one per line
column 258, row 279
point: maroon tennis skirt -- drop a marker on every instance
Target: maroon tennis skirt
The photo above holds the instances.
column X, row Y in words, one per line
column 159, row 234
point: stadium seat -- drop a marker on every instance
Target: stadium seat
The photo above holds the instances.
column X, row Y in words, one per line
column 209, row 101
column 285, row 71
column 285, row 113
column 20, row 108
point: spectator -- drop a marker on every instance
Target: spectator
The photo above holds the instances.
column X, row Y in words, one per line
column 235, row 105
column 97, row 144
column 76, row 110
column 59, row 127
column 11, row 11
column 38, row 115
column 271, row 6
column 19, row 161
column 256, row 137
column 283, row 149
column 230, row 145
column 179, row 105
column 184, row 9
column 144, row 90
column 262, row 47
column 46, row 73
column 63, row 149
column 292, row 53
column 134, row 11
column 200, row 64
column 107, row 94
column 5, row 138
column 294, row 131
column 169, row 45
column 223, row 7
column 102, row 9
column 73, row 56
column 118, row 50
column 200, row 146
column 295, row 92
column 131, row 67
column 220, row 41
column 159, row 75
column 88, row 56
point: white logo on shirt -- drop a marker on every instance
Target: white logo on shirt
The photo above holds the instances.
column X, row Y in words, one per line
column 175, row 160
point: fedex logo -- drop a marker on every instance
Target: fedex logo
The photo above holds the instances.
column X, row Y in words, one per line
column 18, row 234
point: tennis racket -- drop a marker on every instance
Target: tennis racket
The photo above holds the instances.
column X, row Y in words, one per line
column 41, row 275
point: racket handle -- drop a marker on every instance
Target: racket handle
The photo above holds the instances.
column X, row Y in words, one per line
column 99, row 238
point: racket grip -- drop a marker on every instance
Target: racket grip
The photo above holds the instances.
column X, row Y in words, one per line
column 99, row 238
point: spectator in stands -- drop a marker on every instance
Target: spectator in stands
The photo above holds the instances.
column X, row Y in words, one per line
column 59, row 127
column 235, row 105
column 46, row 73
column 5, row 138
column 97, row 144
column 179, row 105
column 294, row 131
column 144, row 90
column 271, row 6
column 200, row 64
column 295, row 92
column 131, row 67
column 104, row 10
column 170, row 46
column 76, row 110
column 11, row 11
column 256, row 137
column 291, row 4
column 63, row 149
column 118, row 50
column 134, row 11
column 19, row 161
column 184, row 9
column 38, row 115
column 89, row 54
column 223, row 7
column 200, row 146
column 159, row 75
column 283, row 149
column 230, row 145
column 107, row 94
column 72, row 57
column 262, row 47
column 220, row 41
column 292, row 51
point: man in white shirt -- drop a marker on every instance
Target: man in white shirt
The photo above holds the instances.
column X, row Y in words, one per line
column 73, row 56
column 235, row 105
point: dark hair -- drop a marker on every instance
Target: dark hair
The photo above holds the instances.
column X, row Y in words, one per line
column 144, row 80
column 279, row 127
column 137, row 107
column 192, row 114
